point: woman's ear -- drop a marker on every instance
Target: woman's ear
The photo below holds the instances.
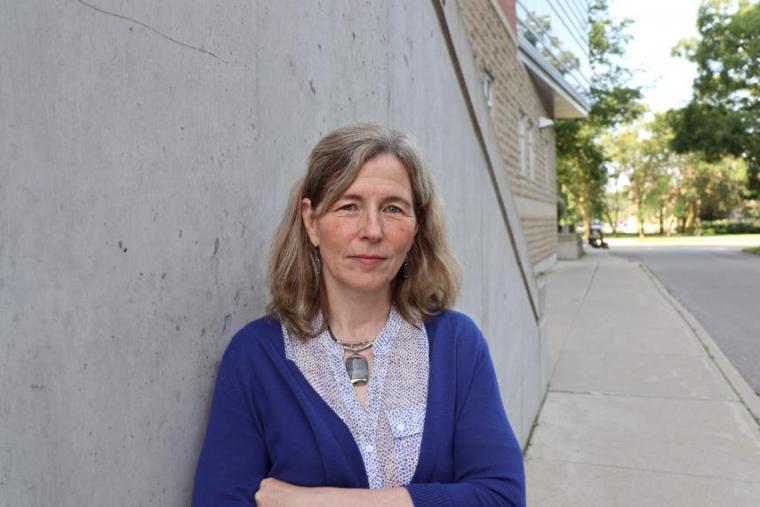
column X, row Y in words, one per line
column 307, row 215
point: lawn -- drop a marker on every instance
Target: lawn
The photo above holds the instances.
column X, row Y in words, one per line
column 748, row 241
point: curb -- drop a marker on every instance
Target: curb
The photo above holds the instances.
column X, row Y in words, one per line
column 743, row 391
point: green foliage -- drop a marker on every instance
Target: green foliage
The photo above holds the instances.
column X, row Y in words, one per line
column 714, row 131
column 709, row 190
column 613, row 101
column 723, row 117
column 671, row 186
column 727, row 55
column 615, row 105
column 580, row 167
column 709, row 228
column 581, row 171
column 538, row 31
column 640, row 152
column 615, row 206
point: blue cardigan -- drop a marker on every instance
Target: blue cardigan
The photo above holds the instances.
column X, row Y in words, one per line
column 267, row 421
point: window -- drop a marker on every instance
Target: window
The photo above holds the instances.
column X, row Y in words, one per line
column 488, row 88
column 521, row 123
column 531, row 152
column 547, row 162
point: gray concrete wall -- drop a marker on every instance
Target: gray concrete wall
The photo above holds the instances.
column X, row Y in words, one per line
column 147, row 152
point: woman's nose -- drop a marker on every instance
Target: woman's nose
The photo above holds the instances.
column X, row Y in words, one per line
column 372, row 227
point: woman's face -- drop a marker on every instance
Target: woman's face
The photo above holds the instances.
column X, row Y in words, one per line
column 363, row 238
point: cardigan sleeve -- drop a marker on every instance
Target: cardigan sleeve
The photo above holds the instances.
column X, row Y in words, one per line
column 488, row 461
column 233, row 460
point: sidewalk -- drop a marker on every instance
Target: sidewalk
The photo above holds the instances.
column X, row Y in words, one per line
column 642, row 407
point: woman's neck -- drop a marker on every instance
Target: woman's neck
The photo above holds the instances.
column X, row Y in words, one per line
column 357, row 318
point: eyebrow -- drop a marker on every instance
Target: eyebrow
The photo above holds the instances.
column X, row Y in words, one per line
column 390, row 198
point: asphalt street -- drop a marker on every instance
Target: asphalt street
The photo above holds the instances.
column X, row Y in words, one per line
column 720, row 286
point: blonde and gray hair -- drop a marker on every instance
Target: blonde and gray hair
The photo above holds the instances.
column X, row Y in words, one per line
column 432, row 275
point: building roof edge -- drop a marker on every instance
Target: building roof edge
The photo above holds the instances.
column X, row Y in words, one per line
column 575, row 105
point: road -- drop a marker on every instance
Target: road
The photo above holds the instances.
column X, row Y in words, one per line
column 719, row 285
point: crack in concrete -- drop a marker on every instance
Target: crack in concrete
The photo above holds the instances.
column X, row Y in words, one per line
column 157, row 32
column 642, row 396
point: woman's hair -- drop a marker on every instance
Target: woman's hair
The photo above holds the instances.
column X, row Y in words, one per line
column 430, row 282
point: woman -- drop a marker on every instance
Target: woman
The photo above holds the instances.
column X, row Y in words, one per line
column 360, row 385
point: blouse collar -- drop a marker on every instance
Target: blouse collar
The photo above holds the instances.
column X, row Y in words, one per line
column 383, row 340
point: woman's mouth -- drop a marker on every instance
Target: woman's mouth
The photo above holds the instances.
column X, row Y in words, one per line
column 368, row 260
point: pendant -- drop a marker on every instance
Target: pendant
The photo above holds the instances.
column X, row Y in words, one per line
column 358, row 369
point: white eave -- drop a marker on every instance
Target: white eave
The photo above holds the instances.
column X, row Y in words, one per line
column 565, row 101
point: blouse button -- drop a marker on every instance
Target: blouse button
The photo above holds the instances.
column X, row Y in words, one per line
column 400, row 427
column 369, row 448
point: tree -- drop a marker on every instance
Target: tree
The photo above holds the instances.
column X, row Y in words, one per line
column 660, row 198
column 658, row 166
column 668, row 185
column 723, row 116
column 707, row 190
column 580, row 169
column 615, row 202
column 640, row 152
column 581, row 173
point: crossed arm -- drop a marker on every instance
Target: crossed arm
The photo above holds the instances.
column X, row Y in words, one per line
column 276, row 493
column 487, row 459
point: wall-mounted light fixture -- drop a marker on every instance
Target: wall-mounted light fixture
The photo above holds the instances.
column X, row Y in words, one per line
column 544, row 122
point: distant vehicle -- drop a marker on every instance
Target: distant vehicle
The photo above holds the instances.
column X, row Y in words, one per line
column 596, row 238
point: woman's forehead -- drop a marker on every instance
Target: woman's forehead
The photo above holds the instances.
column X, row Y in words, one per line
column 384, row 172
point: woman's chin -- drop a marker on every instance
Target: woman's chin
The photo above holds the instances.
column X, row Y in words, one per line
column 371, row 286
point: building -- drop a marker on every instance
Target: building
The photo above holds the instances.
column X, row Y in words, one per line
column 155, row 149
column 533, row 60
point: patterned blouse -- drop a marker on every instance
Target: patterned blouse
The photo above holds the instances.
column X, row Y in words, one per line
column 388, row 428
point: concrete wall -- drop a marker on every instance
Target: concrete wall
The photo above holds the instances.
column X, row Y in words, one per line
column 148, row 149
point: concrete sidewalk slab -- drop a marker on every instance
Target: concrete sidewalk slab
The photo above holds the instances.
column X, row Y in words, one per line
column 571, row 281
column 596, row 486
column 639, row 410
column 745, row 392
column 641, row 374
column 697, row 437
column 644, row 337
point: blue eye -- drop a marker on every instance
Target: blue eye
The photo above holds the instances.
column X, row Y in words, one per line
column 347, row 207
column 394, row 209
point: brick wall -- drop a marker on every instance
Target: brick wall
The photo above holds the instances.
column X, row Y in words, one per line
column 541, row 235
column 513, row 94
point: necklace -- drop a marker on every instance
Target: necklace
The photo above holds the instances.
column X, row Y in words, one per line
column 356, row 364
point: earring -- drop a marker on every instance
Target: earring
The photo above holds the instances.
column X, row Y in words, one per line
column 317, row 262
column 405, row 269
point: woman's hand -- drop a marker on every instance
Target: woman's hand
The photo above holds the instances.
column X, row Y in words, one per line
column 276, row 493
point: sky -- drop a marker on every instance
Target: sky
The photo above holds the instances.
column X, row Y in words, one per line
column 658, row 26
